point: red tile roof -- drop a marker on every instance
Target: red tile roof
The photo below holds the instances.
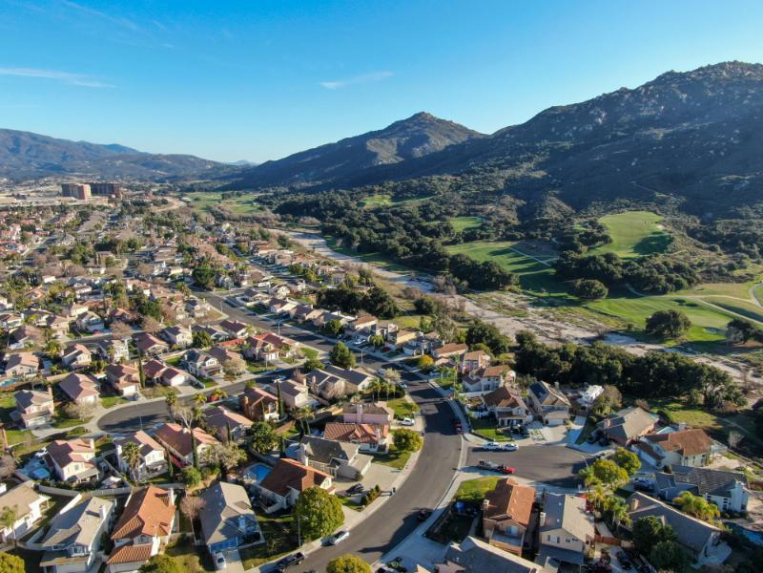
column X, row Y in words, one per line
column 149, row 511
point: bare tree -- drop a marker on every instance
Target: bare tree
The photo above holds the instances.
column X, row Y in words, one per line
column 120, row 330
column 150, row 324
column 191, row 507
column 7, row 467
column 78, row 410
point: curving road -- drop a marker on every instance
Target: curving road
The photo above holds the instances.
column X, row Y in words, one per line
column 395, row 519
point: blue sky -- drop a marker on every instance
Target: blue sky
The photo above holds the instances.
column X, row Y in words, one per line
column 259, row 80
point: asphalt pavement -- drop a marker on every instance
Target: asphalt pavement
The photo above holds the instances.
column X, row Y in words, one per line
column 555, row 466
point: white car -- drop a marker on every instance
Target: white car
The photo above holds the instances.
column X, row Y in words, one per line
column 510, row 447
column 491, row 446
column 407, row 422
column 219, row 560
column 338, row 537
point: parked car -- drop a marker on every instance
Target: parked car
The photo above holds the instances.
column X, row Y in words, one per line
column 219, row 560
column 407, row 422
column 487, row 465
column 625, row 561
column 491, row 447
column 506, row 469
column 510, row 447
column 290, row 561
column 338, row 537
column 423, row 514
column 357, row 488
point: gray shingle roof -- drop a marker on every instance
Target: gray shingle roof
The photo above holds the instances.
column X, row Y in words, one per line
column 705, row 481
column 225, row 505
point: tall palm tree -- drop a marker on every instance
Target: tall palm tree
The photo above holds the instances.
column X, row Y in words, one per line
column 132, row 457
column 200, row 399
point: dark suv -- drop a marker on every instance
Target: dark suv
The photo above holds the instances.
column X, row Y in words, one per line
column 290, row 561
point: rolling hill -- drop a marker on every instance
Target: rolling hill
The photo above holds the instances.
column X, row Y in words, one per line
column 25, row 155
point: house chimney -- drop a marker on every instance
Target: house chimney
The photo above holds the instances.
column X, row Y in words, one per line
column 542, row 518
column 359, row 413
column 681, row 426
column 485, row 504
column 302, row 454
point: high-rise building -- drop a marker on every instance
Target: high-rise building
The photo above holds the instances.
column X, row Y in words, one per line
column 107, row 189
column 77, row 190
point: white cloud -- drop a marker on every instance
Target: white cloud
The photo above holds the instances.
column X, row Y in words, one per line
column 123, row 22
column 64, row 77
column 356, row 80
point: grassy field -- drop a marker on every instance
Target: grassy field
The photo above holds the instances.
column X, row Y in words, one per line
column 376, row 259
column 488, row 430
column 634, row 233
column 534, row 277
column 408, row 321
column 384, row 200
column 708, row 323
column 475, row 489
column 280, row 539
column 465, row 223
column 241, row 205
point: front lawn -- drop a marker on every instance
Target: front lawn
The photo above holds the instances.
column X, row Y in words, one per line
column 403, row 408
column 393, row 458
column 63, row 423
column 190, row 559
column 111, row 401
column 280, row 539
column 488, row 429
column 475, row 489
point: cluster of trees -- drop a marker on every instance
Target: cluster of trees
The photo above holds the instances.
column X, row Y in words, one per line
column 652, row 274
column 667, row 324
column 656, row 374
column 375, row 301
column 408, row 234
column 658, row 542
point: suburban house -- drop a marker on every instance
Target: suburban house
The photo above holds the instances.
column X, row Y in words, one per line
column 588, row 397
column 700, row 538
column 153, row 460
column 451, row 350
column 566, row 530
column 259, row 405
column 507, row 406
column 123, row 378
column 287, row 480
column 550, row 405
column 484, row 380
column 225, row 355
column 178, row 336
column 475, row 556
column 340, row 459
column 372, row 438
column 74, row 537
column 474, row 360
column 153, row 370
column 177, row 439
column 681, row 448
column 506, row 515
column 234, row 329
column 202, row 364
column 628, row 425
column 24, row 336
column 72, row 461
column 377, row 413
column 726, row 489
column 173, row 377
column 396, row 339
column 228, row 520
column 28, row 505
column 21, row 365
column 80, row 388
column 149, row 344
column 269, row 346
column 225, row 424
column 114, row 350
column 90, row 323
column 34, row 408
column 364, row 324
column 143, row 528
column 294, row 394
column 77, row 356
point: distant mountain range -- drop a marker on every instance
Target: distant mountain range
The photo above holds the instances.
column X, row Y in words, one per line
column 696, row 136
column 341, row 162
column 25, row 155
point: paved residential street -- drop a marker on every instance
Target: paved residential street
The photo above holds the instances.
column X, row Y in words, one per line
column 555, row 466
